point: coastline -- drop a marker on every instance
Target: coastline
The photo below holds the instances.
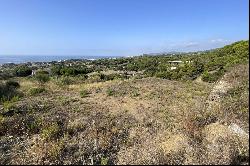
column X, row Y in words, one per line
column 20, row 59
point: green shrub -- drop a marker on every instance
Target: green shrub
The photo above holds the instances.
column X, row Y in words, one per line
column 7, row 105
column 104, row 161
column 34, row 91
column 1, row 119
column 70, row 70
column 50, row 132
column 8, row 90
column 22, row 71
column 110, row 92
column 55, row 70
column 13, row 84
column 4, row 75
column 84, row 93
column 108, row 77
column 212, row 77
column 15, row 99
column 42, row 72
column 64, row 81
column 56, row 149
column 42, row 78
column 33, row 125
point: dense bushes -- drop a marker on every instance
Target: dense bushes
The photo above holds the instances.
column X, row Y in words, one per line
column 42, row 78
column 4, row 75
column 108, row 77
column 204, row 63
column 64, row 80
column 212, row 77
column 192, row 64
column 42, row 72
column 185, row 72
column 12, row 84
column 22, row 71
column 70, row 70
column 8, row 90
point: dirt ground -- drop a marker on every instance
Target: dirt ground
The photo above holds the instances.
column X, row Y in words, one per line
column 136, row 121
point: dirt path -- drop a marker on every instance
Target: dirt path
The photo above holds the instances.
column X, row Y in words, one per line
column 214, row 102
column 220, row 88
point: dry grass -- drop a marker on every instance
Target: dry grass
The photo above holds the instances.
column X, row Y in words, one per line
column 144, row 121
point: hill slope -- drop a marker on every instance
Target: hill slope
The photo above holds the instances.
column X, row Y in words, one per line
column 133, row 121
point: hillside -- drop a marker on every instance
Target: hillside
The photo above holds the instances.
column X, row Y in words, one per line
column 129, row 111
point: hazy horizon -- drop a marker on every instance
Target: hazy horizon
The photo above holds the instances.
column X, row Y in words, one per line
column 68, row 55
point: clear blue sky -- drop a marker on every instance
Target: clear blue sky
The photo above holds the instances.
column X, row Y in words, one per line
column 119, row 27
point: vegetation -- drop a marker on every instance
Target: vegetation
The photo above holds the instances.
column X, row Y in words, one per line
column 214, row 76
column 191, row 108
column 8, row 90
column 42, row 77
column 110, row 92
column 22, row 71
column 84, row 93
column 35, row 91
column 70, row 70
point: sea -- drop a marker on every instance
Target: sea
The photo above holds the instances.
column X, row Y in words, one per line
column 17, row 59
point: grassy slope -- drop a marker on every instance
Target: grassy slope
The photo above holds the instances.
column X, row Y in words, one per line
column 135, row 121
column 141, row 121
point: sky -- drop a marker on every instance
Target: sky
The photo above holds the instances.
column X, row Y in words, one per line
column 119, row 27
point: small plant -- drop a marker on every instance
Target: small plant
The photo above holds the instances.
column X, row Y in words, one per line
column 35, row 91
column 50, row 132
column 104, row 161
column 110, row 92
column 2, row 126
column 56, row 149
column 84, row 93
column 1, row 119
column 33, row 125
column 15, row 99
column 135, row 93
column 7, row 105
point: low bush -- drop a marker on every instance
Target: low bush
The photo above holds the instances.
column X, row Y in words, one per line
column 34, row 91
column 42, row 78
column 50, row 132
column 22, row 71
column 7, row 105
column 212, row 77
column 110, row 92
column 64, row 81
column 84, row 93
column 114, row 76
column 4, row 75
column 8, row 90
column 42, row 72
column 13, row 84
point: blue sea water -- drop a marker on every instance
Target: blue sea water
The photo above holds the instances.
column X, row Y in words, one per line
column 41, row 58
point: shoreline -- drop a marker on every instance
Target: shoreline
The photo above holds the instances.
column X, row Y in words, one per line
column 49, row 59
